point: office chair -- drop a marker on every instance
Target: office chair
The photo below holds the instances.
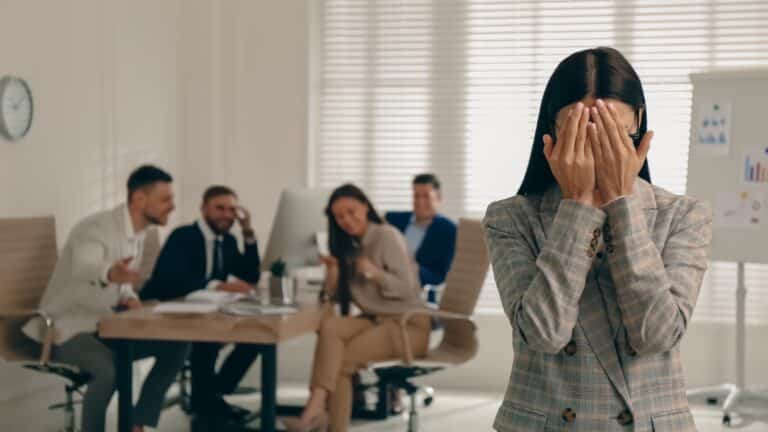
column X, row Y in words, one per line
column 28, row 256
column 459, row 342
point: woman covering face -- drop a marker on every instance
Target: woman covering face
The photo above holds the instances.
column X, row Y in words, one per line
column 598, row 270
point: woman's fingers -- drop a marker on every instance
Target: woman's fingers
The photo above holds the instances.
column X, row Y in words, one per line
column 581, row 134
column 623, row 135
column 602, row 135
column 572, row 130
column 594, row 142
column 547, row 139
column 611, row 128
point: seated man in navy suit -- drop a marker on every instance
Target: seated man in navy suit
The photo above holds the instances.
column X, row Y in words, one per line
column 205, row 256
column 431, row 237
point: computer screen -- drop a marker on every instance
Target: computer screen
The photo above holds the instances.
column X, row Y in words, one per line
column 298, row 224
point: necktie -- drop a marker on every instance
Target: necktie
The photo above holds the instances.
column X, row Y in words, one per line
column 218, row 262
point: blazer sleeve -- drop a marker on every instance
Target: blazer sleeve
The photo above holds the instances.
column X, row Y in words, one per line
column 397, row 280
column 657, row 290
column 390, row 218
column 90, row 264
column 174, row 275
column 246, row 265
column 434, row 271
column 89, row 260
column 540, row 290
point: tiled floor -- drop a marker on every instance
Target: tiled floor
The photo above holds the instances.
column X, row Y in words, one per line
column 472, row 412
column 451, row 412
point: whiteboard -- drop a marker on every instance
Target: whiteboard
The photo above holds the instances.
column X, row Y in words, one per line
column 733, row 179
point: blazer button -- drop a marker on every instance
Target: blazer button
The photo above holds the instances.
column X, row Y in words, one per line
column 571, row 348
column 625, row 418
column 600, row 255
column 569, row 415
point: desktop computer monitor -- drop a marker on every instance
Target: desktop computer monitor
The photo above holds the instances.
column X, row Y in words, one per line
column 299, row 222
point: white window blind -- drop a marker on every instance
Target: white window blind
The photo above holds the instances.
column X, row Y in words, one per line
column 453, row 87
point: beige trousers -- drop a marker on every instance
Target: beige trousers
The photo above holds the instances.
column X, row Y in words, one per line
column 347, row 344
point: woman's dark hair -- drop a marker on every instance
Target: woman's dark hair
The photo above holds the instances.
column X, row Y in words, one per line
column 599, row 73
column 344, row 247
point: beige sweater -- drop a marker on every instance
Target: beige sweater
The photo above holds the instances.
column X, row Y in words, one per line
column 398, row 290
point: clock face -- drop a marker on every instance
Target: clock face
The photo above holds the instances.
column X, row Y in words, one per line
column 15, row 107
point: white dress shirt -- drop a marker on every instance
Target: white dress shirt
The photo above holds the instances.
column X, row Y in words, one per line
column 210, row 242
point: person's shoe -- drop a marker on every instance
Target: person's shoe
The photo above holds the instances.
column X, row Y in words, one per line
column 236, row 413
column 220, row 410
column 395, row 402
column 318, row 423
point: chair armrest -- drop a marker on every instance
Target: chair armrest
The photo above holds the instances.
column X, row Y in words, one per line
column 407, row 350
column 18, row 313
column 47, row 343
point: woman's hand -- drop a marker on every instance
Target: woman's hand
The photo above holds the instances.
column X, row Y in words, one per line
column 614, row 152
column 570, row 159
column 368, row 269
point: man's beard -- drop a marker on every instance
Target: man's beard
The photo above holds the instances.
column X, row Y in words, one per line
column 216, row 229
column 152, row 220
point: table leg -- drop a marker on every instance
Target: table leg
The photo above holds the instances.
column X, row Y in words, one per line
column 124, row 372
column 268, row 388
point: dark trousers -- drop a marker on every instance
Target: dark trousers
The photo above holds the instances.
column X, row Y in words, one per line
column 208, row 385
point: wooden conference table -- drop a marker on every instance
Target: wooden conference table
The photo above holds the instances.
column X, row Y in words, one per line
column 266, row 331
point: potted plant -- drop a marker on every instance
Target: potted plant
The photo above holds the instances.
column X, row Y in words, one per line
column 280, row 286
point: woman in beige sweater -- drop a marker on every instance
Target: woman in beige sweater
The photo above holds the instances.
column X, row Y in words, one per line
column 369, row 267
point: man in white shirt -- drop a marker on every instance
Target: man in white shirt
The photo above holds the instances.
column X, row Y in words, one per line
column 96, row 274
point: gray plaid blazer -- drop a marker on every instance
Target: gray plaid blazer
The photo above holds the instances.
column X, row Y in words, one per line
column 598, row 300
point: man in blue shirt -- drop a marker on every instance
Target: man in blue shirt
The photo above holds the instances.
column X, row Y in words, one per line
column 431, row 237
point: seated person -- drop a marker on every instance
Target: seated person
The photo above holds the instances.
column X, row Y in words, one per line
column 202, row 256
column 431, row 237
column 97, row 273
column 369, row 266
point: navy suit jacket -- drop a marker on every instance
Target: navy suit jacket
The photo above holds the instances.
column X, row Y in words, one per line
column 435, row 254
column 181, row 266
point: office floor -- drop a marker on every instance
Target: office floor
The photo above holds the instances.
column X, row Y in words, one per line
column 451, row 412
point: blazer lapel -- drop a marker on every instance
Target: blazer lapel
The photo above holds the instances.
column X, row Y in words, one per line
column 596, row 326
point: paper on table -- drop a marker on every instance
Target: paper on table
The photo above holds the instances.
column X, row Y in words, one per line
column 251, row 309
column 185, row 307
column 213, row 297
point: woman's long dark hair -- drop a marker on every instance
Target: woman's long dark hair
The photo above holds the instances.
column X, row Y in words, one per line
column 600, row 73
column 344, row 247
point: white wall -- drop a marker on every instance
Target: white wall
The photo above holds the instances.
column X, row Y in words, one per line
column 214, row 91
column 103, row 78
column 244, row 101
